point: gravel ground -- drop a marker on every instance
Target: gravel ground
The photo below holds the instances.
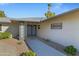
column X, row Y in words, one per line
column 9, row 47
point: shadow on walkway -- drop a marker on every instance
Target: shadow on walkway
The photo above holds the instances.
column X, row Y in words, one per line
column 55, row 45
column 52, row 44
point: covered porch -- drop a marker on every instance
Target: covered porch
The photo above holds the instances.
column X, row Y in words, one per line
column 26, row 29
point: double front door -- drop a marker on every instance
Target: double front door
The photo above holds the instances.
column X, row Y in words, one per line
column 31, row 30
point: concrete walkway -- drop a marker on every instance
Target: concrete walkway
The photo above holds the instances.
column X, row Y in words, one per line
column 55, row 45
column 42, row 49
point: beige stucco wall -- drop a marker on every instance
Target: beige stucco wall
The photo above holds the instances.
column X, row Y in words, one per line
column 12, row 28
column 68, row 35
column 4, row 27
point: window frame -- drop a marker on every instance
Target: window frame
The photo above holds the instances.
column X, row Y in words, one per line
column 56, row 26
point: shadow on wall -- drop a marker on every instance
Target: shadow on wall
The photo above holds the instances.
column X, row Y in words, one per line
column 14, row 29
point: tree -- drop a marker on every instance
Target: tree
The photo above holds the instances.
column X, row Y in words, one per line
column 49, row 13
column 2, row 14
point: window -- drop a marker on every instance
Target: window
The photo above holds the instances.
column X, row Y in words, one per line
column 0, row 27
column 38, row 26
column 56, row 26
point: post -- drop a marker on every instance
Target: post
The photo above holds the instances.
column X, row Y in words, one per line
column 21, row 31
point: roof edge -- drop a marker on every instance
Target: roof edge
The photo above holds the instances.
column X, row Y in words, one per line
column 73, row 10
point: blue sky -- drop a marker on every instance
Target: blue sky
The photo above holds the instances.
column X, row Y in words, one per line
column 24, row 10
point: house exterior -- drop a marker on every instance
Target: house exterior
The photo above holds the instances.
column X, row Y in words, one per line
column 63, row 28
column 20, row 28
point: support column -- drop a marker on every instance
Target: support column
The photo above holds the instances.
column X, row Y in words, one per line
column 21, row 31
column 25, row 31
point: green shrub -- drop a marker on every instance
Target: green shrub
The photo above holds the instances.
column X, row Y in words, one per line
column 4, row 35
column 28, row 53
column 70, row 50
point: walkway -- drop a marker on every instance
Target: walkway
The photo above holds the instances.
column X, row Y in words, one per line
column 55, row 45
column 42, row 49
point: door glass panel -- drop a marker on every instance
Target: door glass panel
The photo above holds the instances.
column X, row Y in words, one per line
column 31, row 30
column 28, row 30
column 34, row 30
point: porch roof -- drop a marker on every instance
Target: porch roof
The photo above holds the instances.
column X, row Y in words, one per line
column 30, row 19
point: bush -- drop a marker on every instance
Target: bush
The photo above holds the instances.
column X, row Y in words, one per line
column 70, row 50
column 4, row 35
column 28, row 53
column 19, row 42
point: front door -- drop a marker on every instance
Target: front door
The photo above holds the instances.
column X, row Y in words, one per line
column 31, row 30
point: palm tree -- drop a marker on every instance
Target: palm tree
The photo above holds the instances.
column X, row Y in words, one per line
column 49, row 13
column 49, row 6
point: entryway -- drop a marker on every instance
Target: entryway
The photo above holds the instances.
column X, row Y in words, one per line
column 31, row 30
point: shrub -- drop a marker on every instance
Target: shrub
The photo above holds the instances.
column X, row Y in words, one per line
column 4, row 35
column 28, row 53
column 70, row 50
column 19, row 42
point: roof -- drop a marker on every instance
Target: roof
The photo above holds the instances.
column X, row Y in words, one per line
column 65, row 13
column 35, row 19
column 2, row 19
column 40, row 19
column 30, row 19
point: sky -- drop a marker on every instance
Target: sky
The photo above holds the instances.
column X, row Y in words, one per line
column 25, row 10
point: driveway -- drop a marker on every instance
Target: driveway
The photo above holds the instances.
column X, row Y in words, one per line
column 42, row 49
